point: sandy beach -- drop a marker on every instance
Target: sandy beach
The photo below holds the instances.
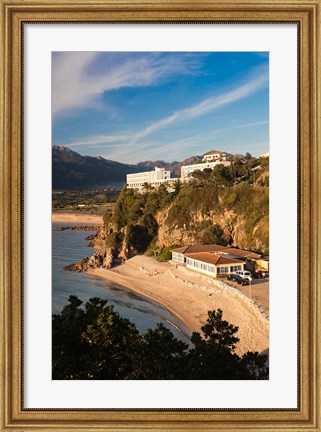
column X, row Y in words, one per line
column 77, row 218
column 190, row 295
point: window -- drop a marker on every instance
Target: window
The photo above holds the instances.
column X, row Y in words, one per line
column 235, row 268
column 178, row 257
column 222, row 270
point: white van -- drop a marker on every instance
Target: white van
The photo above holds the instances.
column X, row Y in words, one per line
column 244, row 274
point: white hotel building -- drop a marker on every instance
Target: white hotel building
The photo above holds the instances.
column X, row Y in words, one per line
column 153, row 178
column 160, row 175
column 187, row 170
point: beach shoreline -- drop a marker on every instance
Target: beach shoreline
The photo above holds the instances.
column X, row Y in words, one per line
column 118, row 279
column 80, row 218
column 110, row 276
column 189, row 296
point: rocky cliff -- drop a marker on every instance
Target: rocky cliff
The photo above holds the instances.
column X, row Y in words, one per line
column 194, row 213
column 235, row 227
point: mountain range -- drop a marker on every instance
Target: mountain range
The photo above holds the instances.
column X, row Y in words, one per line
column 70, row 170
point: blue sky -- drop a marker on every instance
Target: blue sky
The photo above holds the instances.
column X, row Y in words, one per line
column 137, row 106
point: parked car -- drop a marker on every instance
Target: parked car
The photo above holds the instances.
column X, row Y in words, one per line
column 241, row 281
column 238, row 279
column 245, row 274
column 232, row 277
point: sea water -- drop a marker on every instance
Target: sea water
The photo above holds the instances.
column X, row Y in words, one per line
column 69, row 246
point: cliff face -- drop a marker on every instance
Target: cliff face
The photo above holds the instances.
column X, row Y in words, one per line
column 236, row 231
column 237, row 216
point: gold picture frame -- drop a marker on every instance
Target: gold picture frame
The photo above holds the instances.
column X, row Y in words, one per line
column 307, row 14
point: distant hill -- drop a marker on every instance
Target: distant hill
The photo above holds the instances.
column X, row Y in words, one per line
column 70, row 170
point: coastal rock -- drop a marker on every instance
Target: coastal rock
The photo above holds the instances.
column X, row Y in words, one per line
column 91, row 237
column 102, row 258
column 124, row 252
column 108, row 261
column 95, row 260
column 80, row 228
column 79, row 266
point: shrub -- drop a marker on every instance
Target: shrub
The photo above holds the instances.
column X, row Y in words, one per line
column 138, row 238
column 213, row 234
column 166, row 254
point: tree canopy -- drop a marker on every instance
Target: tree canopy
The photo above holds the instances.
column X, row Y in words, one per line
column 92, row 341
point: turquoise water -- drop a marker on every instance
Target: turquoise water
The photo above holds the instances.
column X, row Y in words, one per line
column 70, row 246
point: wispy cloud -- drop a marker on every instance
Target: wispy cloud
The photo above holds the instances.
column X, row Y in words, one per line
column 115, row 146
column 100, row 140
column 132, row 143
column 77, row 83
column 154, row 150
column 255, row 83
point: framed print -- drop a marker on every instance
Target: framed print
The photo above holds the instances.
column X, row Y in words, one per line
column 160, row 216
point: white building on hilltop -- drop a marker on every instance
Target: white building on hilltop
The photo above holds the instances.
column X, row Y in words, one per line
column 215, row 155
column 265, row 155
column 161, row 176
column 153, row 178
column 187, row 170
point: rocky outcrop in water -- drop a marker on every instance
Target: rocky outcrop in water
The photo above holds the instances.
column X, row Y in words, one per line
column 103, row 257
column 79, row 228
column 79, row 266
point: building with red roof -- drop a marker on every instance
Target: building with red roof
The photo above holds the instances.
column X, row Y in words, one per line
column 215, row 259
